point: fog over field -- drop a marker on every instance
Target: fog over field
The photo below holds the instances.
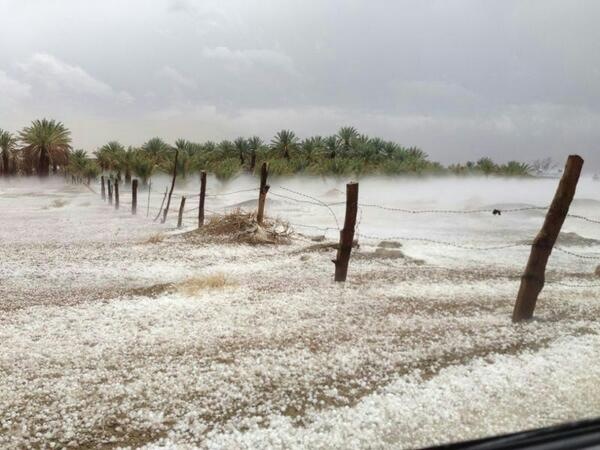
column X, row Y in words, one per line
column 118, row 331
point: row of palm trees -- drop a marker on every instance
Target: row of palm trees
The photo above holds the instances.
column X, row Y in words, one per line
column 46, row 145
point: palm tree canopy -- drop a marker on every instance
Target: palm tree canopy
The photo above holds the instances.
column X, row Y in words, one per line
column 284, row 141
column 110, row 155
column 157, row 149
column 49, row 137
column 255, row 143
column 346, row 135
column 7, row 141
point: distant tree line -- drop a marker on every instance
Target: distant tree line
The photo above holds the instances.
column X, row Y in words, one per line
column 45, row 147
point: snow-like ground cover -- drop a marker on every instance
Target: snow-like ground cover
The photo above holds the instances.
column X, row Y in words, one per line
column 111, row 336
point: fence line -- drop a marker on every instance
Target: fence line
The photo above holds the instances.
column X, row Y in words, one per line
column 188, row 216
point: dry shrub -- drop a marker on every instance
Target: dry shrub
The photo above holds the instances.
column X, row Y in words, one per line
column 194, row 285
column 241, row 227
column 155, row 239
column 58, row 203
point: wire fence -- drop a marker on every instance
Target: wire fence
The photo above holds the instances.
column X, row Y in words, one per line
column 189, row 218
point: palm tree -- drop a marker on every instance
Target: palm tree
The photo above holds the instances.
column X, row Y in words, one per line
column 331, row 144
column 7, row 146
column 185, row 160
column 241, row 145
column 254, row 144
column 346, row 135
column 311, row 149
column 157, row 149
column 515, row 168
column 110, row 155
column 486, row 165
column 77, row 163
column 285, row 141
column 47, row 141
column 90, row 171
column 143, row 166
column 125, row 162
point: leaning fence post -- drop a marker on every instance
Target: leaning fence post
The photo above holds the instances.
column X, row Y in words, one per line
column 180, row 217
column 161, row 205
column 262, row 196
column 116, row 194
column 134, row 186
column 148, row 204
column 532, row 281
column 102, row 188
column 166, row 211
column 110, row 192
column 347, row 233
column 202, row 196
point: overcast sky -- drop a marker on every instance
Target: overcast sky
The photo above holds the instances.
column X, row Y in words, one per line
column 510, row 79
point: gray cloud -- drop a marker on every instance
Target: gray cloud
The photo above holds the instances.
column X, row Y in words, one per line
column 461, row 79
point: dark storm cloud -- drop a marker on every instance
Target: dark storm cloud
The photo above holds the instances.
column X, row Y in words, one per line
column 462, row 79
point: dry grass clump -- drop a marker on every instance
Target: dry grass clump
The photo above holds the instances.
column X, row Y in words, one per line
column 58, row 203
column 194, row 285
column 241, row 227
column 191, row 286
column 155, row 239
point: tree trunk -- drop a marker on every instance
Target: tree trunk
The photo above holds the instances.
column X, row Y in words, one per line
column 127, row 176
column 5, row 166
column 253, row 160
column 43, row 163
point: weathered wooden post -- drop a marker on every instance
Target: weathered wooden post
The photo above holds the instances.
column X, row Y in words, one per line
column 161, row 204
column 180, row 217
column 347, row 233
column 202, row 196
column 172, row 187
column 532, row 280
column 110, row 192
column 116, row 194
column 102, row 188
column 148, row 204
column 262, row 195
column 134, row 187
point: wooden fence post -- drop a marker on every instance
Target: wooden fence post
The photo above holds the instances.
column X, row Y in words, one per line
column 202, row 196
column 148, row 204
column 109, row 185
column 134, row 186
column 116, row 194
column 161, row 204
column 180, row 217
column 532, row 281
column 102, row 188
column 172, row 187
column 262, row 195
column 347, row 233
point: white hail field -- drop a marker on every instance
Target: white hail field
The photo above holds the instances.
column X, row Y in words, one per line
column 116, row 331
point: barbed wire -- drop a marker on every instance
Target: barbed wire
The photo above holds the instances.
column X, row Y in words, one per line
column 577, row 255
column 315, row 199
column 451, row 211
column 587, row 219
column 440, row 242
column 573, row 285
column 316, row 227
